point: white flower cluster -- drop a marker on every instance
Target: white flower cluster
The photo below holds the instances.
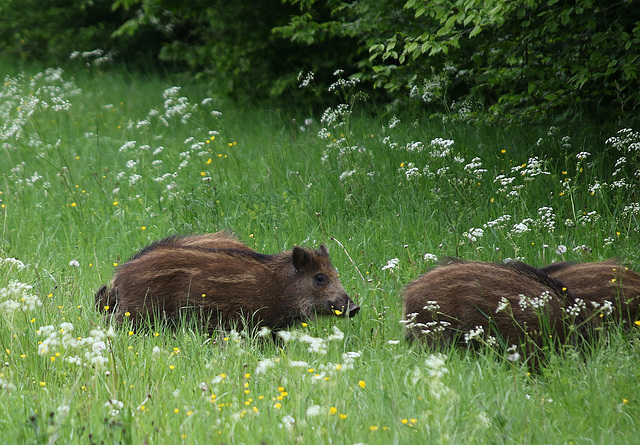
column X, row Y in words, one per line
column 391, row 264
column 114, row 406
column 412, row 171
column 441, row 147
column 574, row 310
column 433, row 328
column 631, row 209
column 498, row 222
column 341, row 85
column 473, row 234
column 436, row 370
column 23, row 96
column 306, row 81
column 17, row 296
column 316, row 344
column 474, row 334
column 475, row 167
column 605, row 308
column 547, row 218
column 265, row 364
column 288, row 422
column 6, row 385
column 61, row 340
column 534, row 302
column 533, row 167
column 11, row 262
column 626, row 141
column 336, row 117
column 502, row 305
column 430, row 257
column 414, row 146
column 431, row 306
column 520, row 228
column 429, row 89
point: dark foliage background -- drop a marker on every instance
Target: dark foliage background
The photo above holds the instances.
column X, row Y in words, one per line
column 517, row 60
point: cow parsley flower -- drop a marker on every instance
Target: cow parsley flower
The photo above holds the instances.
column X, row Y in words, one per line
column 502, row 305
column 288, row 422
column 391, row 264
column 474, row 334
column 575, row 309
column 263, row 365
column 474, row 234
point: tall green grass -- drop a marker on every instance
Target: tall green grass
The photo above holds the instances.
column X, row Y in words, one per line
column 79, row 197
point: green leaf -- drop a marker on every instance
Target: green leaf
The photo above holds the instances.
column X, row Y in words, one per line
column 475, row 31
column 411, row 47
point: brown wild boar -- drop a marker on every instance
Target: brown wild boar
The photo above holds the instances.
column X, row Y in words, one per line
column 462, row 301
column 219, row 240
column 607, row 288
column 223, row 281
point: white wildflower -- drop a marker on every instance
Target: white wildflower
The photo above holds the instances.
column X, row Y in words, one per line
column 313, row 411
column 474, row 234
column 12, row 262
column 288, row 422
column 431, row 306
column 263, row 365
column 337, row 334
column 474, row 334
column 503, row 304
column 520, row 228
column 391, row 264
column 430, row 257
column 264, row 331
column 346, row 174
column 575, row 309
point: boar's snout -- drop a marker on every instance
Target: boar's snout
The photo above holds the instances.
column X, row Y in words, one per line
column 352, row 308
column 346, row 308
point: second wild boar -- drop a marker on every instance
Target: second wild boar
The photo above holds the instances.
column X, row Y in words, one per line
column 223, row 282
column 465, row 301
column 607, row 288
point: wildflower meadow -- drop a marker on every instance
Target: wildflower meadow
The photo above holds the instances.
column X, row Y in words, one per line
column 96, row 165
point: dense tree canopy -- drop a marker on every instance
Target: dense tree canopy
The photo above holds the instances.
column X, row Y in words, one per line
column 516, row 59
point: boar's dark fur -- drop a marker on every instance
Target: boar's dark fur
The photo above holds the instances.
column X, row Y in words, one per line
column 223, row 281
column 598, row 283
column 468, row 294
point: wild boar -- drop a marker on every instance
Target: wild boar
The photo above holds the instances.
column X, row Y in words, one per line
column 608, row 289
column 224, row 282
column 219, row 240
column 464, row 301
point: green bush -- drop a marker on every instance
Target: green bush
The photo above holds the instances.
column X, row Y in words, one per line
column 521, row 59
column 232, row 44
column 50, row 32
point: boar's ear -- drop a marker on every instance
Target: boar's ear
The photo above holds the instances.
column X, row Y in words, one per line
column 301, row 258
column 323, row 250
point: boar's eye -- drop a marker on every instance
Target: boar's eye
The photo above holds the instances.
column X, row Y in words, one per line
column 321, row 280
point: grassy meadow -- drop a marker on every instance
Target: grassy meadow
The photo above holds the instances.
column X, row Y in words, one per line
column 94, row 166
